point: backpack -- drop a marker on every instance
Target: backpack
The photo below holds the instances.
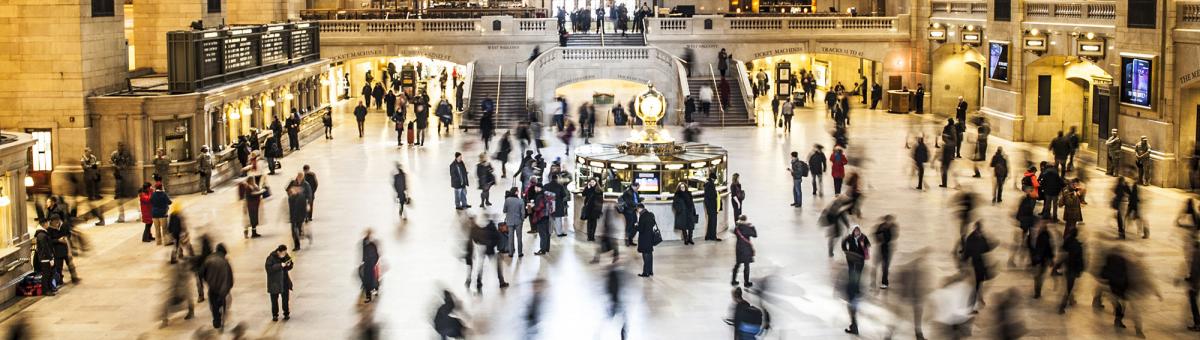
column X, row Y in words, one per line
column 754, row 321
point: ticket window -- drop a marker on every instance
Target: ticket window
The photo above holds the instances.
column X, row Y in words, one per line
column 174, row 136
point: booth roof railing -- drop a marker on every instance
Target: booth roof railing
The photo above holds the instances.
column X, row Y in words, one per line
column 774, row 25
column 1188, row 14
column 439, row 26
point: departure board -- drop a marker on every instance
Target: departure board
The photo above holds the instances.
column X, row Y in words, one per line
column 203, row 58
column 274, row 49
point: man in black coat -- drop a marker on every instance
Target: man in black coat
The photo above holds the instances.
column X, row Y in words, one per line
column 920, row 157
column 218, row 275
column 366, row 269
column 975, row 248
column 1074, row 263
column 1042, row 257
column 876, row 95
column 277, row 128
column 293, row 131
column 279, row 283
column 1061, row 148
column 360, row 115
column 710, row 209
column 297, row 191
column 816, row 167
column 949, row 140
column 366, row 94
column 458, row 181
column 389, row 103
column 646, row 227
column 627, row 206
column 919, row 101
column 377, row 93
column 1051, row 185
column 558, row 218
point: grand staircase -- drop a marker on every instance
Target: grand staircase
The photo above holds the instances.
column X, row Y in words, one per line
column 735, row 110
column 510, row 105
column 610, row 39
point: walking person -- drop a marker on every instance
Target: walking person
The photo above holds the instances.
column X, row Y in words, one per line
column 884, row 234
column 310, row 178
column 857, row 250
column 684, row 210
column 949, row 139
column 1051, row 184
column 279, row 281
column 218, row 276
column 1042, row 252
column 1120, row 192
column 180, row 293
column 360, row 116
column 974, row 250
column 180, row 236
column 327, row 122
column 798, row 170
column 368, row 268
column 486, row 178
column 459, row 182
column 593, row 205
column 837, row 165
column 1192, row 280
column 1133, row 212
column 514, row 218
column 648, row 237
column 1073, row 145
column 711, row 206
column 1073, row 260
column 816, row 167
column 743, row 250
column 249, row 191
column 297, row 203
column 1060, row 149
column 400, row 184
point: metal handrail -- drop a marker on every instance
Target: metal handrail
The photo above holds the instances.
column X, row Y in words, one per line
column 744, row 84
column 717, row 93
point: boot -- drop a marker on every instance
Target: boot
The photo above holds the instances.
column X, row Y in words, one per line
column 254, row 232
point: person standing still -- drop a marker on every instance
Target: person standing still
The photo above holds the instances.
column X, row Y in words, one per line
column 816, row 167
column 486, row 178
column 279, row 282
column 514, row 218
column 627, row 206
column 920, row 157
column 297, row 203
column 684, row 209
column 1113, row 148
column 368, row 269
column 593, row 205
column 798, row 170
column 327, row 121
column 711, row 206
column 1000, row 170
column 204, row 167
column 744, row 250
column 459, row 181
column 647, row 229
column 91, row 174
column 162, row 168
column 160, row 204
column 1142, row 152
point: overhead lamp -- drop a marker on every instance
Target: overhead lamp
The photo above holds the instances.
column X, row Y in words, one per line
column 28, row 181
column 269, row 103
column 1090, row 35
column 4, row 200
column 288, row 96
column 235, row 114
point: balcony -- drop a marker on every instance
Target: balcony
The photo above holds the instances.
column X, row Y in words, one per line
column 1071, row 12
column 438, row 31
column 774, row 28
column 959, row 10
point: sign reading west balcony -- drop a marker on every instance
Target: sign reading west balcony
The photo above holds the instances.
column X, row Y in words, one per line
column 207, row 58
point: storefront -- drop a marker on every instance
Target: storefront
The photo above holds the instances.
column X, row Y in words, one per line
column 15, row 235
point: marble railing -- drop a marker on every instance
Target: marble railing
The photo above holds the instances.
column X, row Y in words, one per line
column 457, row 27
column 709, row 24
column 959, row 8
column 1090, row 10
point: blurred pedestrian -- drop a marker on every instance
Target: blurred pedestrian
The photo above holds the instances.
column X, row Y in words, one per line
column 445, row 321
column 1072, row 260
column 1193, row 283
column 179, row 235
column 368, row 268
column 884, row 234
column 249, row 191
column 218, row 275
column 920, row 156
column 837, row 165
column 747, row 320
column 1042, row 256
column 974, row 250
column 1000, row 171
column 486, row 178
column 816, row 167
column 400, row 184
column 1120, row 192
column 1133, row 213
column 179, row 295
column 744, row 250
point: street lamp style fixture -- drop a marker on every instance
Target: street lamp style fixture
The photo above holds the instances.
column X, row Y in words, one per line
column 972, row 35
column 937, row 32
column 1090, row 45
column 1035, row 41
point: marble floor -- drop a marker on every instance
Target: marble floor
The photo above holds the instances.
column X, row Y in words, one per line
column 125, row 280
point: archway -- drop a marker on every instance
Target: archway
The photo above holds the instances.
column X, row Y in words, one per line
column 605, row 94
column 348, row 77
column 855, row 73
column 1062, row 92
column 957, row 71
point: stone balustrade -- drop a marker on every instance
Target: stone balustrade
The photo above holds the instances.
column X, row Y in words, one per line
column 959, row 8
column 1104, row 11
column 706, row 24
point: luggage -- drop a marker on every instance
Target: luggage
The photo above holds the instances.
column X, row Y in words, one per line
column 31, row 285
column 411, row 136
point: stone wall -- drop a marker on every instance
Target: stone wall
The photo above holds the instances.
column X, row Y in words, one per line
column 154, row 18
column 262, row 11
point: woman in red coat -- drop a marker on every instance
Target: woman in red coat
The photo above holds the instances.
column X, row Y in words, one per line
column 144, row 199
column 837, row 164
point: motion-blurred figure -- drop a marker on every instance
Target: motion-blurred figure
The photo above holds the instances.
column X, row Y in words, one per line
column 1193, row 283
column 445, row 321
column 368, row 269
column 884, row 234
column 533, row 313
column 1042, row 257
column 913, row 282
column 487, row 239
column 747, row 320
column 614, row 280
column 1133, row 212
column 179, row 295
column 1073, row 260
column 400, row 184
column 1008, row 317
column 219, row 276
column 21, row 329
column 974, row 250
column 607, row 242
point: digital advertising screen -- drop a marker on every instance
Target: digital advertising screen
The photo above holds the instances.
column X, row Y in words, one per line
column 998, row 61
column 647, row 181
column 1137, row 81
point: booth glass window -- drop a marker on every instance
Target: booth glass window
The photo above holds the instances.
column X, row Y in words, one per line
column 175, row 137
column 7, row 221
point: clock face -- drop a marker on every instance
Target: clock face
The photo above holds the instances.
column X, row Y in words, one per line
column 651, row 106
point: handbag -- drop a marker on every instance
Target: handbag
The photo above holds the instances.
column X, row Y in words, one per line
column 266, row 192
column 656, row 238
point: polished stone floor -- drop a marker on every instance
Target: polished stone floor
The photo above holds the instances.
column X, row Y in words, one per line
column 125, row 280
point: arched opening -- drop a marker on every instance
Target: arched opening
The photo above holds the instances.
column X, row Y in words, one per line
column 1189, row 127
column 605, row 94
column 957, row 72
column 411, row 75
column 1062, row 92
column 855, row 74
